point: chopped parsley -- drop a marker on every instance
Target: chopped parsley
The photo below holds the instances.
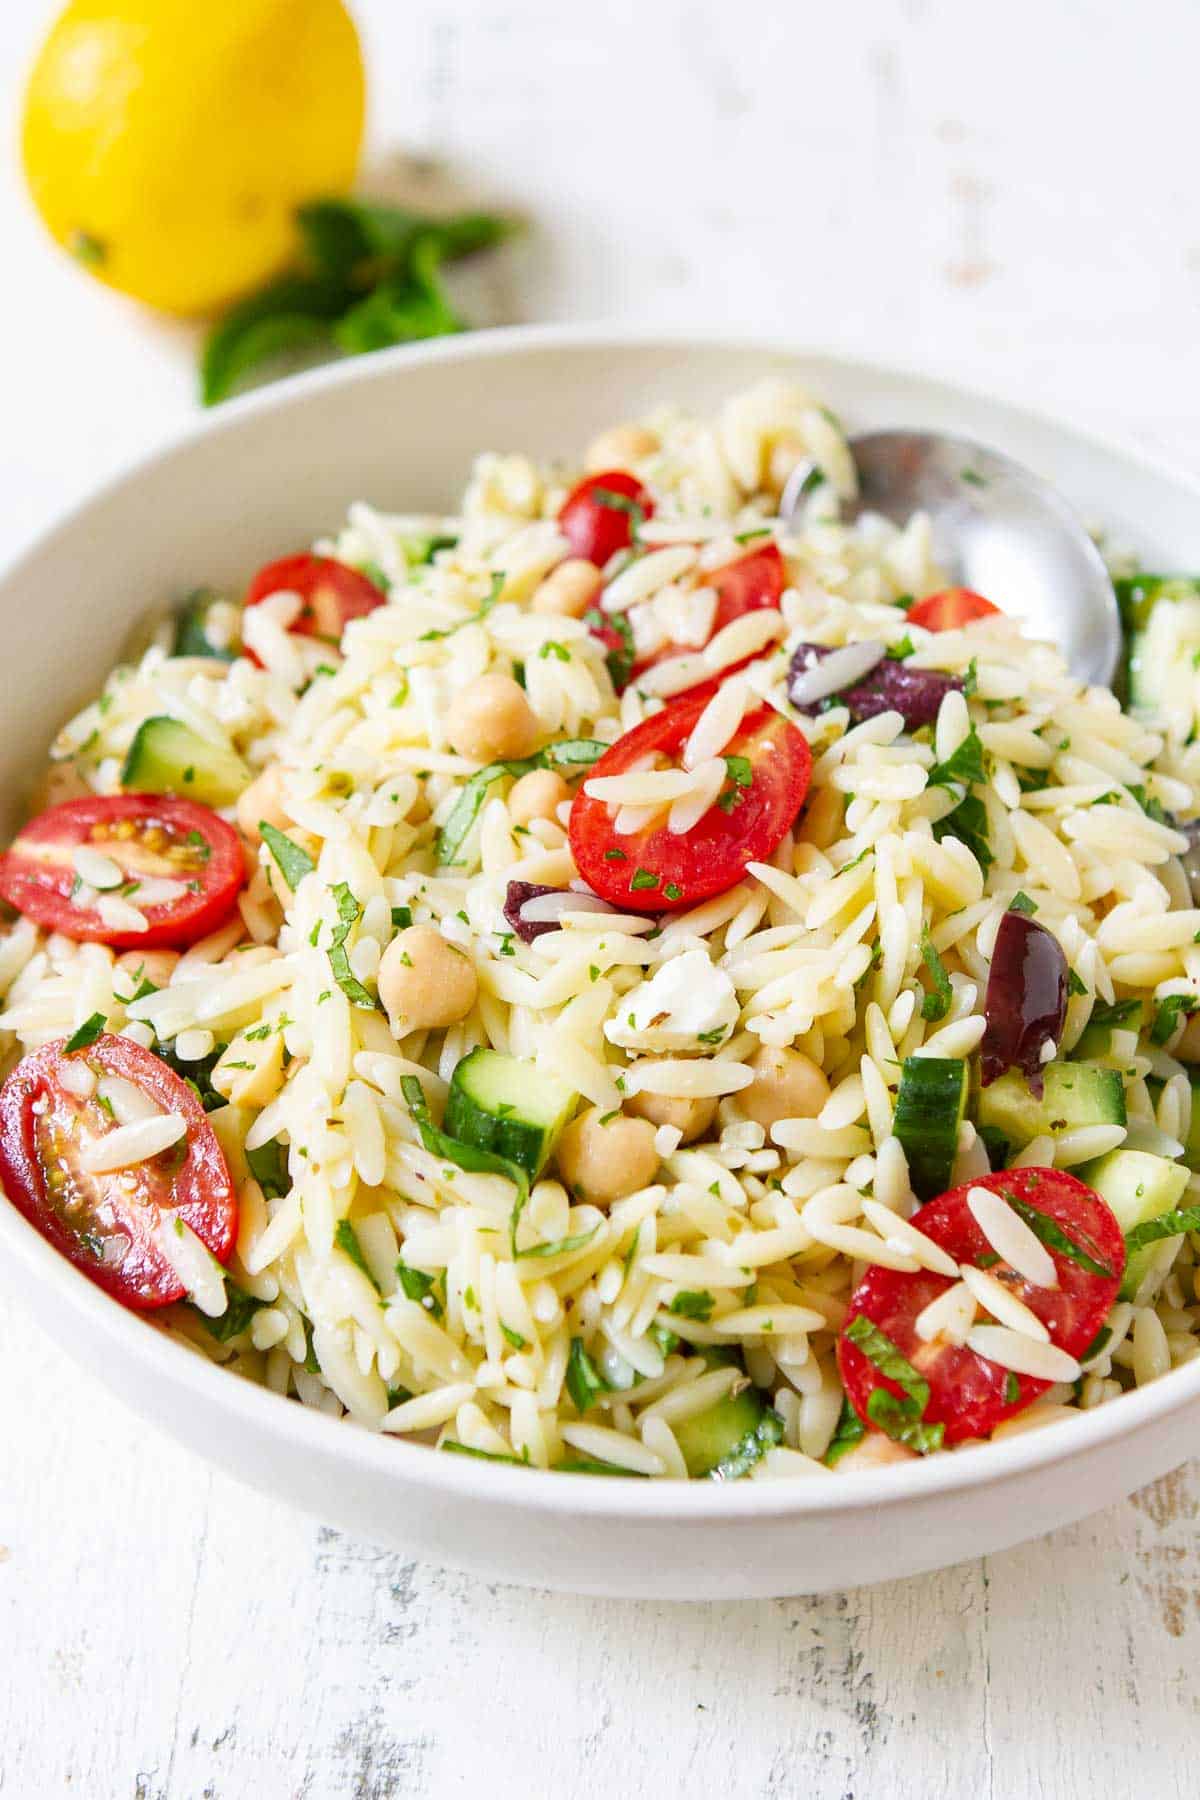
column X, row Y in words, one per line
column 935, row 1003
column 693, row 1304
column 643, row 878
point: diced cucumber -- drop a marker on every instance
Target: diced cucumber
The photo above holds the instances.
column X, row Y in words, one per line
column 509, row 1107
column 1191, row 1141
column 726, row 1440
column 191, row 629
column 166, row 757
column 1162, row 634
column 930, row 1107
column 1096, row 1039
column 1075, row 1094
column 1137, row 1186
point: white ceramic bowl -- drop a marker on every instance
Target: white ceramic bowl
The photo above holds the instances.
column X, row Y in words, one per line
column 267, row 474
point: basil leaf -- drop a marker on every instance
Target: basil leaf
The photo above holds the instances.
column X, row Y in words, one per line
column 1021, row 903
column 968, row 823
column 417, row 1285
column 1167, row 1014
column 240, row 1308
column 690, row 1304
column 465, row 1156
column 572, row 753
column 1168, row 1224
column 292, row 861
column 86, row 1034
column 888, row 1358
column 935, row 1004
column 559, row 1246
column 339, row 961
column 268, row 1166
column 292, row 313
column 1124, row 1014
column 1055, row 1238
column 584, row 1382
column 346, row 1239
column 965, row 764
column 453, row 1444
column 848, row 1431
column 901, row 1421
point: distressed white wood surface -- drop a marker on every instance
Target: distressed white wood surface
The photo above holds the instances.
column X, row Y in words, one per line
column 1009, row 193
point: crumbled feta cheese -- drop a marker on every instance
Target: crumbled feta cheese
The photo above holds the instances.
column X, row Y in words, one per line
column 687, row 1004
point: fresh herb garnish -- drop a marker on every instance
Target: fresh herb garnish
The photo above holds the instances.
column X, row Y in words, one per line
column 268, row 1166
column 416, row 1285
column 963, row 765
column 485, row 607
column 86, row 1034
column 642, row 879
column 585, row 1384
column 573, row 753
column 240, row 1308
column 513, row 1337
column 346, row 1239
column 1168, row 1224
column 848, row 1431
column 1054, row 1237
column 1167, row 1014
column 292, row 861
column 693, row 1304
column 465, row 1156
column 349, row 911
column 559, row 1246
column 935, row 1004
column 1021, row 903
column 1075, row 985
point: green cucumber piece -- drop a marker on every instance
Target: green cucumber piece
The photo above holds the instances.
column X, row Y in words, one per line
column 1161, row 614
column 191, row 633
column 509, row 1107
column 1137, row 1187
column 1095, row 1040
column 930, row 1107
column 1191, row 1141
column 728, row 1438
column 167, row 757
column 1075, row 1094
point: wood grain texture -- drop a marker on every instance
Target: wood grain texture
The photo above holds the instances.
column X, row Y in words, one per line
column 1008, row 194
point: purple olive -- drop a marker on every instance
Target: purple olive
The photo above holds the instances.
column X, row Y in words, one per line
column 1026, row 1000
column 891, row 686
column 518, row 893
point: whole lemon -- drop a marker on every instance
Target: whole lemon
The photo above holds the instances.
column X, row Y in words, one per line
column 167, row 143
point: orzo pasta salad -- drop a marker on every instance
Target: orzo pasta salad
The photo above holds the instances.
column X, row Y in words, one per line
column 613, row 980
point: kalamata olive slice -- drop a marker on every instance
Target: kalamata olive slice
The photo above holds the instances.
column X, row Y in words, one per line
column 517, row 894
column 1026, row 1000
column 891, row 686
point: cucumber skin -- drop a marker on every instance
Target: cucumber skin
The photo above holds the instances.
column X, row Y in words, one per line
column 155, row 766
column 525, row 1142
column 930, row 1107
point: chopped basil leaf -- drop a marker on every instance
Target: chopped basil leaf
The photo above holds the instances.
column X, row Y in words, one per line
column 349, row 912
column 268, row 1166
column 1012, row 1389
column 1021, row 903
column 693, row 1304
column 644, row 878
column 901, row 1421
column 560, row 1246
column 86, row 1034
column 1055, row 1238
column 346, row 1239
column 466, row 1156
column 1168, row 1013
column 849, row 1431
column 401, row 917
column 293, row 862
column 416, row 1285
column 964, row 765
column 240, row 1308
column 936, row 1003
column 1074, row 984
column 888, row 1358
column 1168, row 1224
column 519, row 1462
column 513, row 1337
column 585, row 1384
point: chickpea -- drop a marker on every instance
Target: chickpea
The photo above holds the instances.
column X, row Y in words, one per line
column 603, row 1161
column 874, row 1452
column 1188, row 1047
column 263, row 799
column 62, row 781
column 569, row 590
column 491, row 719
column 690, row 1117
column 787, row 1085
column 157, row 966
column 424, row 982
column 621, row 447
column 537, row 795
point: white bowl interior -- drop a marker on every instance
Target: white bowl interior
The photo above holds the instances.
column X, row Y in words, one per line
column 265, row 476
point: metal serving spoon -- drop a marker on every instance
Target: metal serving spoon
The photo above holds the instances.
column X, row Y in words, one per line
column 997, row 529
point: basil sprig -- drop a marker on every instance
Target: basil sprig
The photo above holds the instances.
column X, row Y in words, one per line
column 369, row 275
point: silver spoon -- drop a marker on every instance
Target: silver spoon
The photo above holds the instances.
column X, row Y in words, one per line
column 996, row 528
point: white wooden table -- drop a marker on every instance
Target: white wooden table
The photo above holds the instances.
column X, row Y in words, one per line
column 1008, row 193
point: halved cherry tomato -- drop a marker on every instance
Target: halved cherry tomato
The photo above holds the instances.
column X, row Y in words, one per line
column 151, row 838
column 332, row 592
column 598, row 515
column 751, row 583
column 950, row 609
column 105, row 1224
column 969, row 1395
column 656, row 870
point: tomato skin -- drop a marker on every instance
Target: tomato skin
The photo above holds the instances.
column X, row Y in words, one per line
column 200, row 1191
column 967, row 1393
column 596, row 531
column 713, row 855
column 949, row 609
column 40, row 886
column 332, row 592
column 751, row 583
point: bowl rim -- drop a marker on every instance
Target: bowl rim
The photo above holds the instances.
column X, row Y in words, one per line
column 378, row 1455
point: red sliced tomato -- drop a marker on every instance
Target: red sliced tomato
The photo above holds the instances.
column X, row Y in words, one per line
column 950, row 609
column 105, row 1224
column 752, row 583
column 658, row 871
column 151, row 837
column 332, row 592
column 598, row 516
column 968, row 1395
